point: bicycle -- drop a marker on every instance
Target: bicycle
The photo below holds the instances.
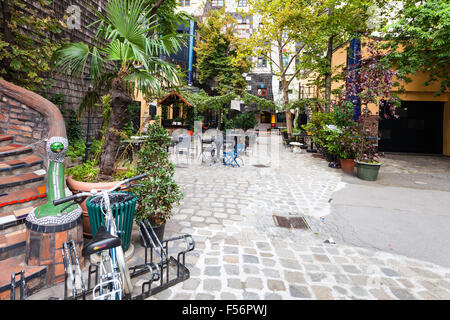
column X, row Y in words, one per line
column 114, row 281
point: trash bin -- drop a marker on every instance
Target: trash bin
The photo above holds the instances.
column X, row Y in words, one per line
column 123, row 206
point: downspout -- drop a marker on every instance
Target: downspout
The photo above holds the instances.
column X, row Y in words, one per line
column 191, row 50
column 353, row 60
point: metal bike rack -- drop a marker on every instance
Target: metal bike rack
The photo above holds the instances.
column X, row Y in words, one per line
column 72, row 268
column 164, row 270
column 160, row 251
column 15, row 284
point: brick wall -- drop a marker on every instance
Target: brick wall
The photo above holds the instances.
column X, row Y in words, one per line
column 25, row 124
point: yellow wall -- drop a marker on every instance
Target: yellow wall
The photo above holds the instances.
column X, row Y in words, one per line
column 413, row 91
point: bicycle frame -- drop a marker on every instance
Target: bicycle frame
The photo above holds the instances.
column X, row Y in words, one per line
column 110, row 278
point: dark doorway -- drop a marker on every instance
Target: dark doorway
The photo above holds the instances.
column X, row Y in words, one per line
column 419, row 128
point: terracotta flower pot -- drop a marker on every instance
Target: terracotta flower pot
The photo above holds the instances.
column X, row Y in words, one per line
column 79, row 186
column 348, row 165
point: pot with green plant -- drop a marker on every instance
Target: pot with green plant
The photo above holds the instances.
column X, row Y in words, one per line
column 158, row 192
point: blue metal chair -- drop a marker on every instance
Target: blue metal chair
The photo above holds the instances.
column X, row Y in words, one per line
column 232, row 156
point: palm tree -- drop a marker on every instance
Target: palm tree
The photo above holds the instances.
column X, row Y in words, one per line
column 127, row 37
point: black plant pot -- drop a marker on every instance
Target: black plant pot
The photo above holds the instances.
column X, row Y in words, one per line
column 159, row 231
column 329, row 157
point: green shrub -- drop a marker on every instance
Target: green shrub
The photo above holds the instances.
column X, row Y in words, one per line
column 158, row 191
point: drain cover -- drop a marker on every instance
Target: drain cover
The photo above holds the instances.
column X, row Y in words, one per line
column 298, row 223
column 292, row 222
column 260, row 166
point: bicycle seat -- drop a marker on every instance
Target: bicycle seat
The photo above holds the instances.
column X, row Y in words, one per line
column 102, row 240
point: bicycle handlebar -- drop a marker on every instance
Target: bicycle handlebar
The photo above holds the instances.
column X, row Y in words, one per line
column 86, row 194
column 64, row 200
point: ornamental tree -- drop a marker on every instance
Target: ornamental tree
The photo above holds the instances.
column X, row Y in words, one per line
column 419, row 41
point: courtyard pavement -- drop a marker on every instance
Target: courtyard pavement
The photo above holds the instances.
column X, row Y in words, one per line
column 242, row 254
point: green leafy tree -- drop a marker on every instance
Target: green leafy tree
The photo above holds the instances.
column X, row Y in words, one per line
column 132, row 43
column 28, row 39
column 158, row 192
column 221, row 58
column 420, row 41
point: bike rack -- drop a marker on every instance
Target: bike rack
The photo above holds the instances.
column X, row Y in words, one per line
column 164, row 270
column 160, row 251
column 70, row 259
column 14, row 285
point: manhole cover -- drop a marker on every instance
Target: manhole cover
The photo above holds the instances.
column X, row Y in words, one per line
column 292, row 222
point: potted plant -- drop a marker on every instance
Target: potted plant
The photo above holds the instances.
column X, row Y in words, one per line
column 158, row 192
column 369, row 82
column 367, row 164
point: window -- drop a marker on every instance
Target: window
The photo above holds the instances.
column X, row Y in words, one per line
column 242, row 30
column 261, row 92
column 184, row 3
column 262, row 62
column 217, row 3
column 242, row 3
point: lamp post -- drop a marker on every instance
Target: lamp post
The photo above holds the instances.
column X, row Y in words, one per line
column 88, row 140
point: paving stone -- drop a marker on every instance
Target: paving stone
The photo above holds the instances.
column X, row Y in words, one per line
column 402, row 294
column 204, row 296
column 227, row 296
column 231, row 269
column 294, row 277
column 212, row 271
column 250, row 296
column 235, row 283
column 272, row 296
column 322, row 293
column 350, row 269
column 389, row 272
column 268, row 262
column 291, row 264
column 250, row 259
column 212, row 285
column 275, row 285
column 253, row 283
column 297, row 291
column 191, row 284
column 271, row 273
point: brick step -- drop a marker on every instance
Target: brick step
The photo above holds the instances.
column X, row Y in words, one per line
column 11, row 151
column 5, row 140
column 13, row 243
column 35, row 276
column 21, row 165
column 13, row 232
column 20, row 181
column 15, row 200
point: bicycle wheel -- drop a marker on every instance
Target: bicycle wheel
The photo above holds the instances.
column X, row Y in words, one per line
column 124, row 272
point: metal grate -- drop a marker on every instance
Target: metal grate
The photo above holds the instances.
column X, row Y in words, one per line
column 291, row 222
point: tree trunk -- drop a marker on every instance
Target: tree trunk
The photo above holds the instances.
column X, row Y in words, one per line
column 286, row 104
column 328, row 74
column 120, row 99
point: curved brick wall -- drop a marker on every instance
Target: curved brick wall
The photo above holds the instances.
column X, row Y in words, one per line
column 26, row 98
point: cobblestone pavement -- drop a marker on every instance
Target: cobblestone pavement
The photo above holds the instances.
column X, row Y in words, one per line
column 242, row 254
